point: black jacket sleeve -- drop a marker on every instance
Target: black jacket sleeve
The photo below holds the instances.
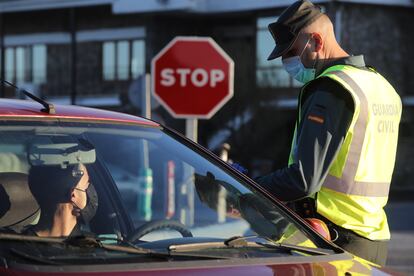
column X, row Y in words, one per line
column 327, row 110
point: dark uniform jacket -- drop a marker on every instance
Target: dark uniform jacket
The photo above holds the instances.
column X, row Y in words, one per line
column 327, row 108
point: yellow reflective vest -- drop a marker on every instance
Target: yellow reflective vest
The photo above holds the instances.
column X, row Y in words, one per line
column 355, row 191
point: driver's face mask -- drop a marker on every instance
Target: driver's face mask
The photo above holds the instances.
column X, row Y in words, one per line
column 296, row 69
column 87, row 213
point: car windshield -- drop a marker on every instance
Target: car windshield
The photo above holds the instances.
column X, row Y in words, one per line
column 144, row 186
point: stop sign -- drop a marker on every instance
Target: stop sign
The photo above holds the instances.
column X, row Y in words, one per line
column 192, row 77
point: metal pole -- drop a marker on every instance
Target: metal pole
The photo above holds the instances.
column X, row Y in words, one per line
column 222, row 194
column 146, row 112
column 224, row 153
column 170, row 195
column 191, row 129
column 187, row 215
column 221, row 205
column 72, row 16
column 146, row 94
column 145, row 172
column 2, row 67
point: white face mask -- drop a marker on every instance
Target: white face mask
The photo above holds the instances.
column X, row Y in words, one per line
column 295, row 68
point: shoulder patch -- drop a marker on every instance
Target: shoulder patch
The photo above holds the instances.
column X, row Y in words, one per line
column 316, row 118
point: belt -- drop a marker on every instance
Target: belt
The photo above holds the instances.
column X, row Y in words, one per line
column 306, row 208
column 338, row 233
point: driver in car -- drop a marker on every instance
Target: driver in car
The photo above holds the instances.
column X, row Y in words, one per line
column 62, row 196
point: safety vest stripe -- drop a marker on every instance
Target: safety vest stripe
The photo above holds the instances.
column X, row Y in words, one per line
column 351, row 164
column 359, row 188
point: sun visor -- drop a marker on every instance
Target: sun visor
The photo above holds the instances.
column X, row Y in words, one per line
column 63, row 154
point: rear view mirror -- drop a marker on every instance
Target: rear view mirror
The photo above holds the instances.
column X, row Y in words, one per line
column 62, row 154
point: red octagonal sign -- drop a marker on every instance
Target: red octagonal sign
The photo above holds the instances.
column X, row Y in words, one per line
column 192, row 77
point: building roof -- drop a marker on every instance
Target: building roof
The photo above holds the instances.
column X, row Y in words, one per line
column 192, row 6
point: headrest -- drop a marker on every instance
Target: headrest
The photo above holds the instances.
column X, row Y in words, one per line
column 11, row 162
column 23, row 208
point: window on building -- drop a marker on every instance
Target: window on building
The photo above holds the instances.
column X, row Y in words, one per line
column 9, row 64
column 108, row 61
column 138, row 58
column 269, row 74
column 39, row 65
column 26, row 64
column 21, row 64
column 123, row 60
column 122, row 55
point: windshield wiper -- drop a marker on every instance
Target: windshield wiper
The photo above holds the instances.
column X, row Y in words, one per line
column 91, row 242
column 80, row 241
column 83, row 241
column 243, row 242
column 87, row 241
column 31, row 257
column 18, row 237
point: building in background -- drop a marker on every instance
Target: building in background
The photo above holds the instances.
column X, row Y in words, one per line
column 94, row 52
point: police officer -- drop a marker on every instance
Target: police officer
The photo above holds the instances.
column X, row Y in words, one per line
column 344, row 145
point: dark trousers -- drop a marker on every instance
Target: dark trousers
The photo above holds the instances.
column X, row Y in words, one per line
column 373, row 251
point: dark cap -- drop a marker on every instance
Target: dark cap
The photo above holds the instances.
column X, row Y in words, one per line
column 286, row 29
column 52, row 184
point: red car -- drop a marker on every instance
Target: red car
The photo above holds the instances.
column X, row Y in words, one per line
column 153, row 203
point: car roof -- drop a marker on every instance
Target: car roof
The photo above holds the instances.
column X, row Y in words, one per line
column 21, row 109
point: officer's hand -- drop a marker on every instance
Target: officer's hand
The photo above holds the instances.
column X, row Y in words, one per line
column 239, row 167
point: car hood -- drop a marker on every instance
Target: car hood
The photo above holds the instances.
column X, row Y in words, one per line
column 285, row 266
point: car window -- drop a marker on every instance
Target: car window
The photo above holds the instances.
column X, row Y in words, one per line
column 20, row 209
column 128, row 183
column 161, row 178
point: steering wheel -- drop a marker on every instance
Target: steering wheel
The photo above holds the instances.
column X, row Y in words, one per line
column 263, row 219
column 158, row 225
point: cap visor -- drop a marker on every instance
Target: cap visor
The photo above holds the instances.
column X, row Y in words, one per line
column 280, row 50
column 276, row 52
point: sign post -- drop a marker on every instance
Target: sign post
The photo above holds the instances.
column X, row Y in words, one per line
column 192, row 77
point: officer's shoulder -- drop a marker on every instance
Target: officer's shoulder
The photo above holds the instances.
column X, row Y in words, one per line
column 329, row 89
